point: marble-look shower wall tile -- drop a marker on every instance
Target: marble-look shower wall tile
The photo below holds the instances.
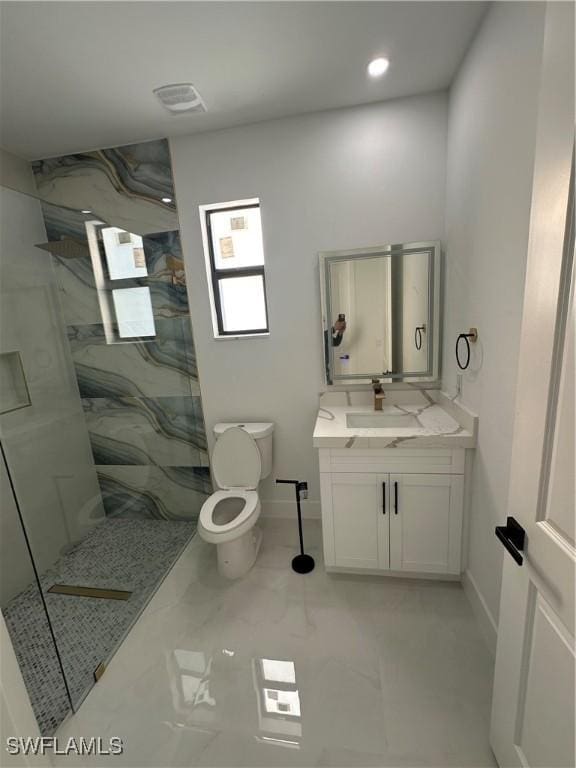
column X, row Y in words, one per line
column 80, row 299
column 163, row 366
column 72, row 266
column 64, row 223
column 166, row 276
column 150, row 492
column 141, row 397
column 123, row 185
column 164, row 259
column 167, row 431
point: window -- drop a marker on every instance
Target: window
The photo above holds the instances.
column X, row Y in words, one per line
column 134, row 315
column 124, row 253
column 119, row 264
column 235, row 265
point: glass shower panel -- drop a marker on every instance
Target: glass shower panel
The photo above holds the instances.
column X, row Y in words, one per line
column 45, row 444
column 109, row 460
column 26, row 617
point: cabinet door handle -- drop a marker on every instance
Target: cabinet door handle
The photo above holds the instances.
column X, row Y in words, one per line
column 395, row 497
column 383, row 498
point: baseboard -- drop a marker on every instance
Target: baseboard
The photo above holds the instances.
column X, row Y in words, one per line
column 486, row 622
column 386, row 574
column 310, row 509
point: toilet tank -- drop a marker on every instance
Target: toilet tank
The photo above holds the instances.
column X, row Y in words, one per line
column 261, row 431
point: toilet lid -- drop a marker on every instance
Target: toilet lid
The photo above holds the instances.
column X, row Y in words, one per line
column 236, row 461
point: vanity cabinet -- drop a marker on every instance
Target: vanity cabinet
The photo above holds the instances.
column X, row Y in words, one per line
column 426, row 523
column 407, row 520
column 362, row 539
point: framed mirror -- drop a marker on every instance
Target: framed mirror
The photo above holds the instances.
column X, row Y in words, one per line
column 381, row 313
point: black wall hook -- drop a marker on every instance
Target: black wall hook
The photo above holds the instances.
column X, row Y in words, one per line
column 471, row 336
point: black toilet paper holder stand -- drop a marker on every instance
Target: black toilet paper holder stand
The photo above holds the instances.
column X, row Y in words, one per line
column 302, row 563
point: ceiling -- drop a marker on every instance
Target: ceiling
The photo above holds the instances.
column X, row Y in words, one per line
column 79, row 75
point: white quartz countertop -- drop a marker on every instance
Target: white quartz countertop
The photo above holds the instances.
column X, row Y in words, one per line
column 441, row 422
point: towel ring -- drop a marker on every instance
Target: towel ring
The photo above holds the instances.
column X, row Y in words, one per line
column 418, row 336
column 471, row 336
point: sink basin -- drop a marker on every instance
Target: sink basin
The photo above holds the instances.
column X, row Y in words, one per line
column 382, row 420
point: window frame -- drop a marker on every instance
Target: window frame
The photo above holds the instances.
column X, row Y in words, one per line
column 216, row 274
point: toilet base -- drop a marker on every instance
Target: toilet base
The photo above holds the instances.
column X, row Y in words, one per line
column 236, row 557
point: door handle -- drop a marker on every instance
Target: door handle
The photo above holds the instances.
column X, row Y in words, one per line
column 512, row 535
column 395, row 497
column 383, row 498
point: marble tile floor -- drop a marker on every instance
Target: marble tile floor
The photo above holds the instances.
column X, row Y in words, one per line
column 280, row 669
column 131, row 555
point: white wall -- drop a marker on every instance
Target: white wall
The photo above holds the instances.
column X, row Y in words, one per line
column 491, row 138
column 360, row 290
column 15, row 565
column 333, row 180
column 16, row 715
column 414, row 311
column 46, row 444
column 16, row 173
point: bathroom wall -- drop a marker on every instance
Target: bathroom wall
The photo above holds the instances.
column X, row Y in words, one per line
column 141, row 398
column 46, row 443
column 491, row 140
column 16, row 715
column 16, row 173
column 360, row 290
column 15, row 568
column 414, row 312
column 332, row 180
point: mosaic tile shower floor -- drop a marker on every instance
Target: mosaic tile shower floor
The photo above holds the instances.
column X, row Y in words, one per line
column 131, row 555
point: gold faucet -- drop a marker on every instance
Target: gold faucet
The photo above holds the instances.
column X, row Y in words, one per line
column 379, row 394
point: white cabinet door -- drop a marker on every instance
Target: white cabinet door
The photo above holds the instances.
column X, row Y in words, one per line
column 426, row 523
column 359, row 506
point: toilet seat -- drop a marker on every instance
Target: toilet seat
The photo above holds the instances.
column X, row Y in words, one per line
column 240, row 459
column 215, row 533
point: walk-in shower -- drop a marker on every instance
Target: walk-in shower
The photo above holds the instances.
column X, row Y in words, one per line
column 104, row 458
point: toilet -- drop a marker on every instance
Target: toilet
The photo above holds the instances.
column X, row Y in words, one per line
column 241, row 458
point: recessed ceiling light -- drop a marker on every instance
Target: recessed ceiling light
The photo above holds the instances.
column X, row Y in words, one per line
column 377, row 67
column 166, row 199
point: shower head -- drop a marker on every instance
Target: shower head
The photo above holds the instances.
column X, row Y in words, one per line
column 67, row 248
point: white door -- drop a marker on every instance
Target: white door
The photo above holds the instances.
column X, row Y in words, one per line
column 360, row 513
column 426, row 523
column 533, row 703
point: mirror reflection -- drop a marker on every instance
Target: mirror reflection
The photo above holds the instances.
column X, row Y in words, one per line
column 379, row 312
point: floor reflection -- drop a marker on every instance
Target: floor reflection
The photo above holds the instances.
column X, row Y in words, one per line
column 278, row 699
column 284, row 671
column 194, row 678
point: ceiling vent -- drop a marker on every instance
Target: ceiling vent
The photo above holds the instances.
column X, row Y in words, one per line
column 179, row 98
